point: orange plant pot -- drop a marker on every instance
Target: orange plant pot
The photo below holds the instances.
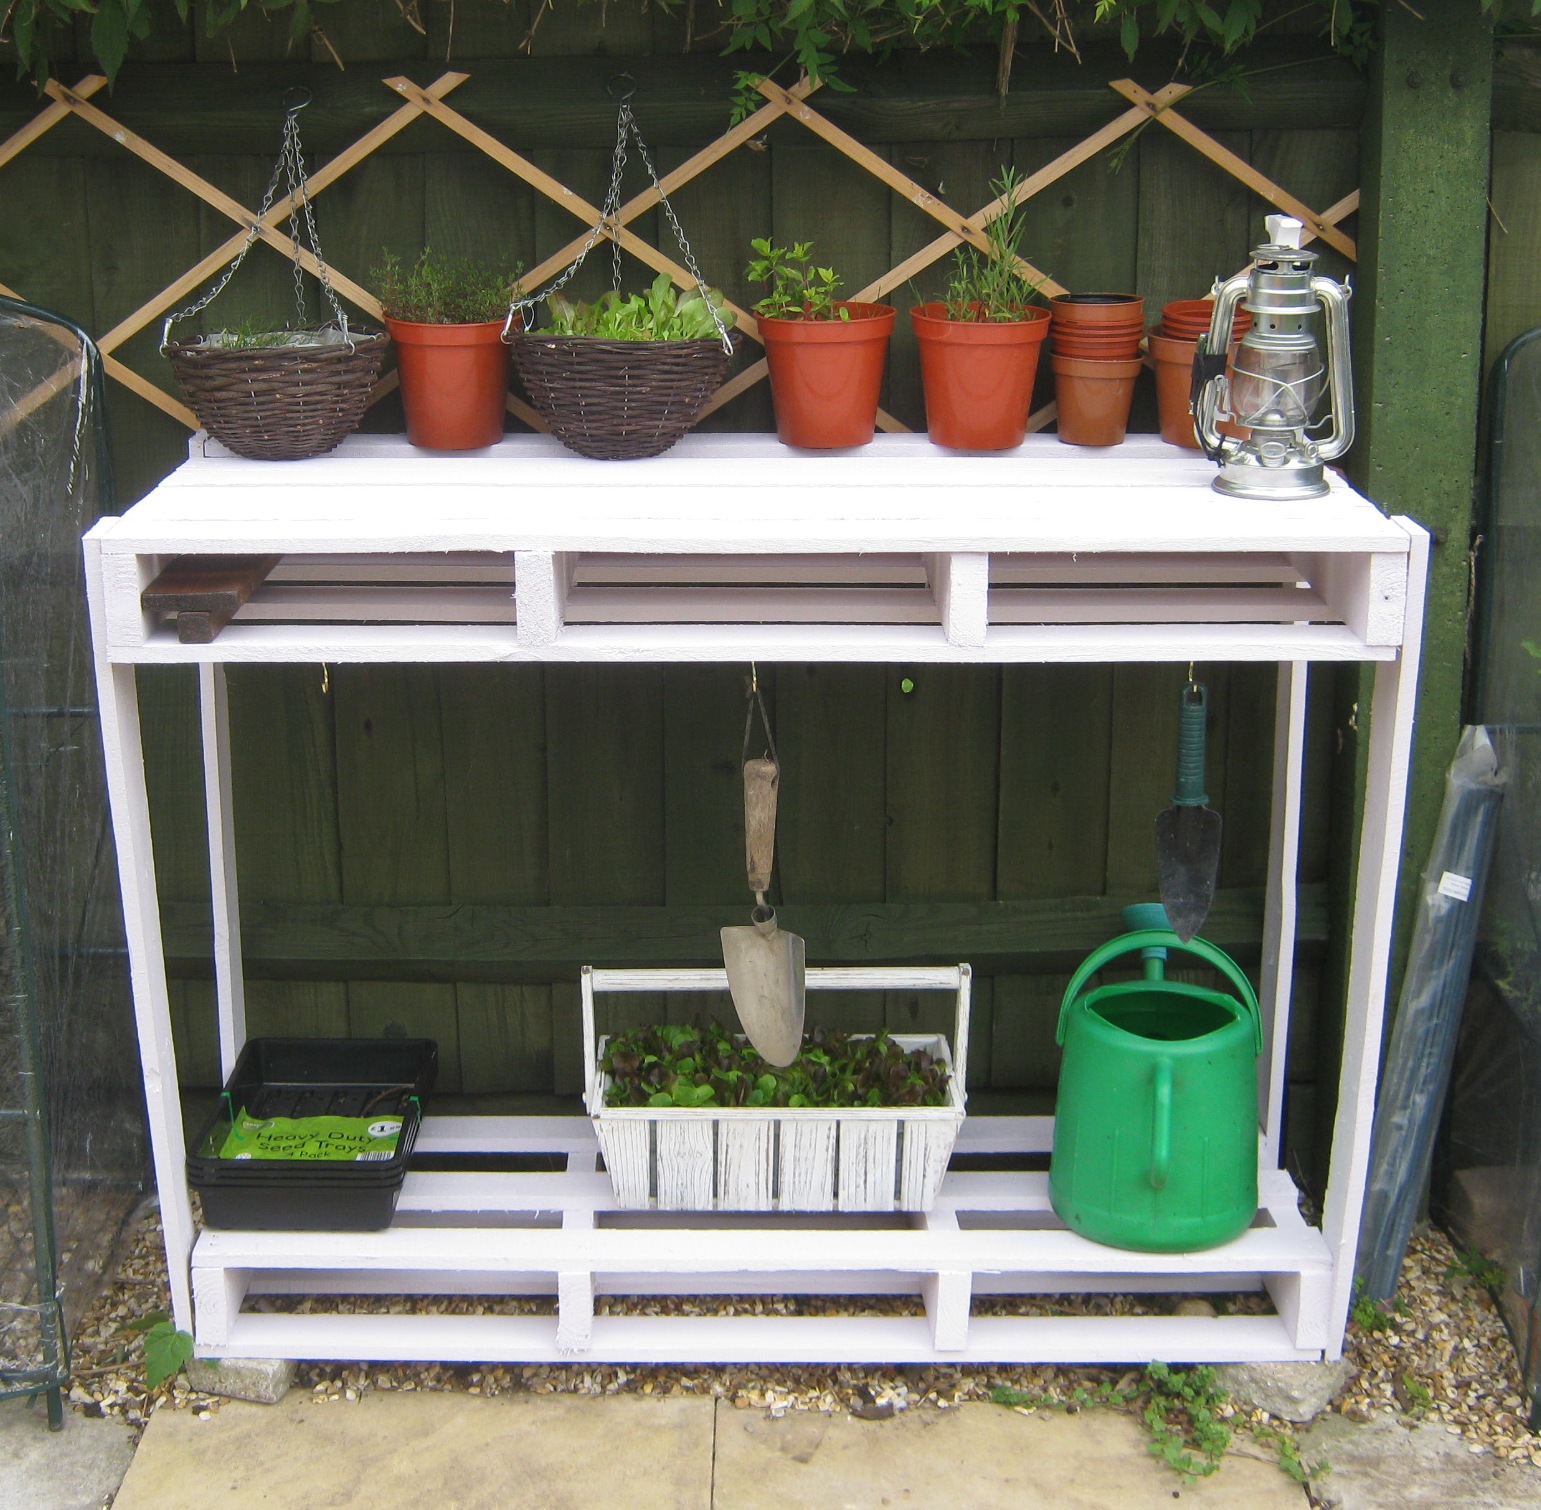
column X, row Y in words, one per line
column 1094, row 399
column 978, row 376
column 1174, row 381
column 825, row 376
column 454, row 383
column 1098, row 309
column 1187, row 319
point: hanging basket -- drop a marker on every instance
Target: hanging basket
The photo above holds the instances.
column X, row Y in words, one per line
column 297, row 392
column 279, row 403
column 618, row 400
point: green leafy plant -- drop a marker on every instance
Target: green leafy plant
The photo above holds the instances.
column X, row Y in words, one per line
column 799, row 288
column 1181, row 1416
column 701, row 1064
column 986, row 285
column 661, row 314
column 167, row 1351
column 1479, row 1268
column 438, row 290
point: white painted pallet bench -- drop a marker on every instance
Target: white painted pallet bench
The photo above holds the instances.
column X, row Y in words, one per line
column 725, row 549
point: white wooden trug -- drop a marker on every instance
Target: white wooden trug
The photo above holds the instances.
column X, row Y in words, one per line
column 725, row 549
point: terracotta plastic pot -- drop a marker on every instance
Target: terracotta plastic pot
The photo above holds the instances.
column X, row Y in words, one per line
column 825, row 376
column 978, row 376
column 454, row 381
column 1187, row 319
column 1098, row 309
column 1094, row 399
column 1117, row 345
column 1174, row 380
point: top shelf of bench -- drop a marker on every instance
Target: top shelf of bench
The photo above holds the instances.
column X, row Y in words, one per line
column 733, row 545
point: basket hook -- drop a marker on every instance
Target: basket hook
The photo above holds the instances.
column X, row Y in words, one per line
column 296, row 99
column 616, row 91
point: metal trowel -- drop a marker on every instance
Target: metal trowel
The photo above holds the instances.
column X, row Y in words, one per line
column 766, row 967
column 1188, row 832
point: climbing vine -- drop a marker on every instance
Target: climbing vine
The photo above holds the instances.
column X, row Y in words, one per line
column 811, row 36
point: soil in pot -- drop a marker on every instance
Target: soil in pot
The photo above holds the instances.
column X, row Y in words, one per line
column 978, row 376
column 825, row 375
column 1094, row 399
column 454, row 383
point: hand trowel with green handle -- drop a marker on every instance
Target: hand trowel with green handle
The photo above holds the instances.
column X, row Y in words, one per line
column 766, row 967
column 1188, row 832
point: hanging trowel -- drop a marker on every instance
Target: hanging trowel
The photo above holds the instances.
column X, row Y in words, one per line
column 1188, row 832
column 765, row 965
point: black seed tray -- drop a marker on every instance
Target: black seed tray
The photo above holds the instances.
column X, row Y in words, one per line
column 313, row 1077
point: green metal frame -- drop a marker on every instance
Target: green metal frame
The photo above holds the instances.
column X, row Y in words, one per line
column 20, row 998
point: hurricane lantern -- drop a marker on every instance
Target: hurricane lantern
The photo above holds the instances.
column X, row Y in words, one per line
column 1275, row 385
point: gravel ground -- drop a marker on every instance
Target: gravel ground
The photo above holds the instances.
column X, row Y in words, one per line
column 1438, row 1352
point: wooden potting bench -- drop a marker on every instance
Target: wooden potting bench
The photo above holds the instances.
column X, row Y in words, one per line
column 730, row 548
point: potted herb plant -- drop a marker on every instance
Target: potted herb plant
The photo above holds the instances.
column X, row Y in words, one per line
column 825, row 355
column 979, row 344
column 446, row 316
column 628, row 374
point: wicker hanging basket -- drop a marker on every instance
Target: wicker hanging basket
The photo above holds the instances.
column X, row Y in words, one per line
column 298, row 392
column 618, row 400
column 279, row 403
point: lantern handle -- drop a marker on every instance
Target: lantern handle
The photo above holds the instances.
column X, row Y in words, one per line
column 1340, row 377
column 1210, row 393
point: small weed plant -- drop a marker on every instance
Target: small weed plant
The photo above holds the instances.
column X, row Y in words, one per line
column 1186, row 1432
column 985, row 285
column 167, row 1351
column 438, row 290
column 1479, row 1269
column 661, row 314
column 798, row 288
column 704, row 1065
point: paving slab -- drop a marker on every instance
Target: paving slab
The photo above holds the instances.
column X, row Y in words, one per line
column 428, row 1451
column 1392, row 1463
column 972, row 1457
column 74, row 1469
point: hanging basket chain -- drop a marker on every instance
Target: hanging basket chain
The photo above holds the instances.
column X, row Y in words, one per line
column 290, row 167
column 609, row 223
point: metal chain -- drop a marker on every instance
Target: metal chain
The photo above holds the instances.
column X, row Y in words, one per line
column 290, row 166
column 609, row 216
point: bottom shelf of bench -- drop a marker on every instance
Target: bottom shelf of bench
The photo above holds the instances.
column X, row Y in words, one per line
column 533, row 1226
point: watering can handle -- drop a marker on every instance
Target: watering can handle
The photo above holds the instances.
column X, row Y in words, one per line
column 1161, row 1133
column 1147, row 938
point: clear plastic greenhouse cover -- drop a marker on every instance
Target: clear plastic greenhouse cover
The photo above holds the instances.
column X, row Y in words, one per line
column 1487, row 1186
column 64, row 996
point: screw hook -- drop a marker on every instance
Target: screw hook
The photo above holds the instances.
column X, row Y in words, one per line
column 296, row 99
column 624, row 95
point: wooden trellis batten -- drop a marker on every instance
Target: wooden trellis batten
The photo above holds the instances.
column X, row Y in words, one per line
column 429, row 101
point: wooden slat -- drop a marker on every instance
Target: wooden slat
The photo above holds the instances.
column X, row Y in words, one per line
column 204, row 592
column 47, row 118
column 1236, row 166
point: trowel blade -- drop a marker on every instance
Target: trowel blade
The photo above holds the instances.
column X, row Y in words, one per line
column 1187, row 861
column 767, row 978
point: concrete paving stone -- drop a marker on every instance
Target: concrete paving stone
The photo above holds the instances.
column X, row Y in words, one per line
column 1292, row 1391
column 263, row 1381
column 428, row 1451
column 77, row 1468
column 972, row 1457
column 1393, row 1464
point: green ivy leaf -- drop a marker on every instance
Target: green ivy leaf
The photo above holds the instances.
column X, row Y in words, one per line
column 167, row 1352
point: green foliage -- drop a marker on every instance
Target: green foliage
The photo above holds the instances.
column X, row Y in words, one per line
column 985, row 285
column 1369, row 1315
column 1181, row 1416
column 167, row 1351
column 1479, row 1268
column 439, row 290
column 799, row 290
column 662, row 314
column 809, row 35
column 704, row 1065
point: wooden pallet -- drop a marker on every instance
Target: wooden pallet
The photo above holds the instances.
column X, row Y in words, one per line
column 561, row 1234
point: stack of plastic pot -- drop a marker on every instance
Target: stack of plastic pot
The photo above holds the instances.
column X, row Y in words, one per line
column 1096, row 357
column 1172, row 344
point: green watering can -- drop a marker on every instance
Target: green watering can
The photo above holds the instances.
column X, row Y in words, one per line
column 1155, row 1129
